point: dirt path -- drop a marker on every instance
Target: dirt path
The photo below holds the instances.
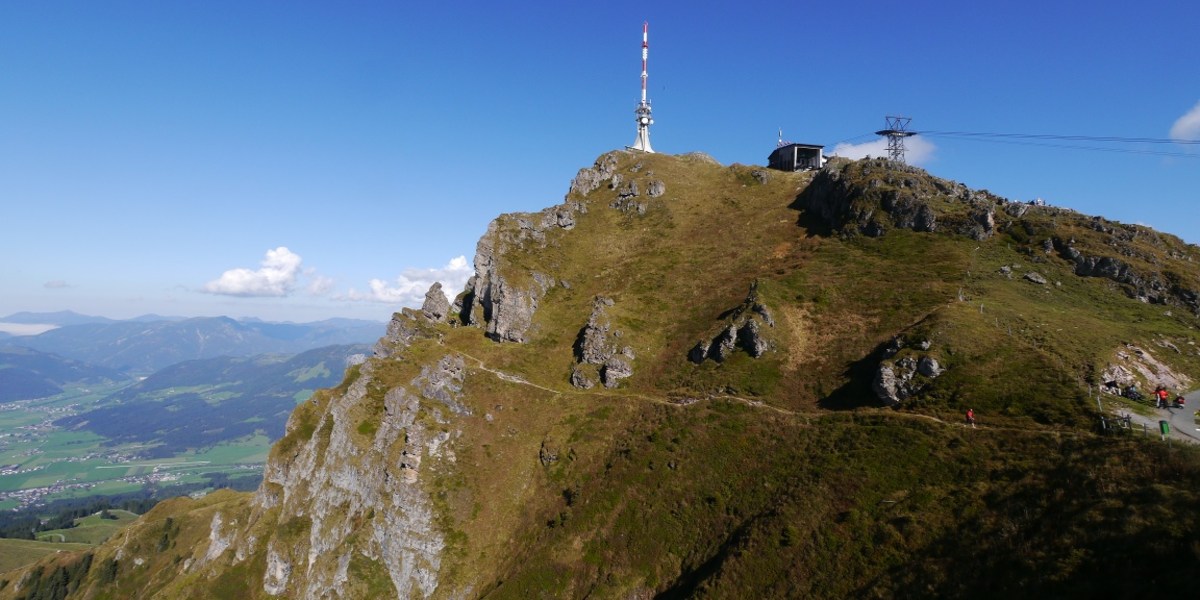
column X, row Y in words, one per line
column 808, row 416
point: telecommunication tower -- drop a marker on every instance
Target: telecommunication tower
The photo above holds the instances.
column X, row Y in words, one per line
column 643, row 108
column 896, row 131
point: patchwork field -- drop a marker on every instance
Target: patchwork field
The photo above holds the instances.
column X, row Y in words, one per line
column 41, row 461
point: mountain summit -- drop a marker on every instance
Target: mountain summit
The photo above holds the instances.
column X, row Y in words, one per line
column 691, row 380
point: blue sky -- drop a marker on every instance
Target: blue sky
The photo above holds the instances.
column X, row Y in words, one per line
column 304, row 160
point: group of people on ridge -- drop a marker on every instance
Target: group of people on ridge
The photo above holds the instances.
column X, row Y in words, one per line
column 1161, row 395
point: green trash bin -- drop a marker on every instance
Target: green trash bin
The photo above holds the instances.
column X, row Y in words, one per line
column 1164, row 427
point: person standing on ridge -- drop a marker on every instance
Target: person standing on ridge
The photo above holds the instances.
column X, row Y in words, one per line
column 971, row 417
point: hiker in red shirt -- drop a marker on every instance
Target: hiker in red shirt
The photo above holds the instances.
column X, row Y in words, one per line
column 1161, row 393
column 971, row 417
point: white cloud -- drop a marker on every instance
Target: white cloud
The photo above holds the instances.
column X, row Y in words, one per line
column 57, row 284
column 917, row 150
column 277, row 277
column 319, row 285
column 410, row 287
column 1187, row 127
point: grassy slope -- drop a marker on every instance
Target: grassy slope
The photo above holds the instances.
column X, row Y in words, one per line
column 783, row 480
column 18, row 553
column 1023, row 361
column 91, row 529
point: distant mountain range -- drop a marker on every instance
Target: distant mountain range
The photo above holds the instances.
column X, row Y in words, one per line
column 62, row 317
column 68, row 317
column 143, row 347
column 26, row 373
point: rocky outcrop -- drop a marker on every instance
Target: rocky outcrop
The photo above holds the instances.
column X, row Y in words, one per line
column 656, row 188
column 743, row 330
column 627, row 195
column 596, row 353
column 615, row 369
column 401, row 331
column 1146, row 287
column 504, row 300
column 350, row 481
column 984, row 219
column 873, row 196
column 590, row 179
column 491, row 300
column 436, row 306
column 1134, row 366
column 898, row 379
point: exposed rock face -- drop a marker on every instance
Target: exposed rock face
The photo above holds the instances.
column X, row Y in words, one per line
column 591, row 179
column 900, row 379
column 580, row 379
column 1016, row 210
column 596, row 352
column 929, row 367
column 502, row 300
column 615, row 369
column 656, row 188
column 872, row 196
column 1035, row 277
column 592, row 345
column 742, row 331
column 436, row 306
column 985, row 221
column 1135, row 364
column 322, row 492
column 491, row 300
column 627, row 197
column 751, row 340
column 884, row 386
column 1149, row 287
column 401, row 331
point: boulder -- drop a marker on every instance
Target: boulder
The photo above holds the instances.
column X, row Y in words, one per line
column 743, row 330
column 884, row 386
column 656, row 188
column 594, row 346
column 929, row 367
column 436, row 307
column 580, row 379
column 750, row 339
column 615, row 369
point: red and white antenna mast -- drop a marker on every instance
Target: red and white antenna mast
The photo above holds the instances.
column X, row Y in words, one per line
column 643, row 108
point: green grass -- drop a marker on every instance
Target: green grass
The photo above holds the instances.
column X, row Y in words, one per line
column 91, row 529
column 18, row 553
